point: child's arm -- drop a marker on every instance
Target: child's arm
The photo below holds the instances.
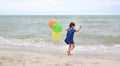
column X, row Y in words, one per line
column 79, row 28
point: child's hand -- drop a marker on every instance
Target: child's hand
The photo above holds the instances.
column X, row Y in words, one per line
column 80, row 26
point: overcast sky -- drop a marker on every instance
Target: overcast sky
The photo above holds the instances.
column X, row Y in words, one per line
column 59, row 7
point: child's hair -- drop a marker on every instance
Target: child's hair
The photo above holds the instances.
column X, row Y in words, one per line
column 71, row 24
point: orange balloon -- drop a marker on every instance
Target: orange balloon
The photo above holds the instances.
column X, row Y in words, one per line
column 51, row 23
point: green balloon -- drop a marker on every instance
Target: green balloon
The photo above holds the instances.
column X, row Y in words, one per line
column 57, row 27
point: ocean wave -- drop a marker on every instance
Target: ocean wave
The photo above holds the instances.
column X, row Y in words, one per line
column 41, row 43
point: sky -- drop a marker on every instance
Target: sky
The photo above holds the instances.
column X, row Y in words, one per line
column 59, row 7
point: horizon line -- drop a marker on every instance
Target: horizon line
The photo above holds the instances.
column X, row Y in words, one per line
column 55, row 14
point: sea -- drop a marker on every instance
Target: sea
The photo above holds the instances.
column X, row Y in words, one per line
column 99, row 34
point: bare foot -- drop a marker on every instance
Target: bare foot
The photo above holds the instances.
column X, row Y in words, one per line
column 68, row 53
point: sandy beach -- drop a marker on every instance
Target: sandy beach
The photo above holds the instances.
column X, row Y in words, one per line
column 26, row 57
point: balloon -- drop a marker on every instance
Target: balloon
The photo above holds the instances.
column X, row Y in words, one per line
column 57, row 27
column 56, row 35
column 51, row 23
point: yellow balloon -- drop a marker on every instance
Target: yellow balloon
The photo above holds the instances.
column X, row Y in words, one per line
column 56, row 35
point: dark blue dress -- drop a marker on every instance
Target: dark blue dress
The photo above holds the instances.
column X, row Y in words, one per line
column 70, row 36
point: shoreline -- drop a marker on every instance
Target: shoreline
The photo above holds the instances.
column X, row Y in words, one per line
column 52, row 50
column 28, row 56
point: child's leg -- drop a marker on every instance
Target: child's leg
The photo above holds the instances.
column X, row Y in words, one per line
column 72, row 47
column 69, row 47
column 68, row 51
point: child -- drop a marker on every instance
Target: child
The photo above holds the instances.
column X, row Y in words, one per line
column 70, row 36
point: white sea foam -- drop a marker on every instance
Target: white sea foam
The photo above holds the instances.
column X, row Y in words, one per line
column 115, row 49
